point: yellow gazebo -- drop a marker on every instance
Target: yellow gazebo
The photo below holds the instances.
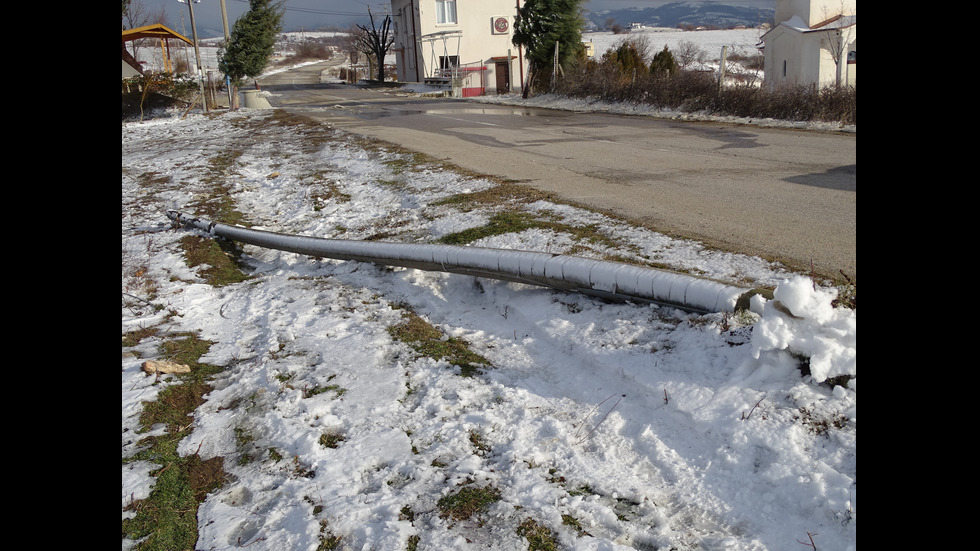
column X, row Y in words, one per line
column 155, row 31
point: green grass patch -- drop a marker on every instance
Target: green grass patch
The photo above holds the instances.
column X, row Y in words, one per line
column 502, row 223
column 516, row 222
column 243, row 439
column 218, row 255
column 309, row 393
column 274, row 455
column 429, row 341
column 468, row 501
column 569, row 520
column 504, row 193
column 407, row 161
column 328, row 541
column 331, row 439
column 132, row 338
column 167, row 518
column 538, row 536
column 326, row 191
column 584, row 490
column 479, row 443
column 217, row 203
column 150, row 181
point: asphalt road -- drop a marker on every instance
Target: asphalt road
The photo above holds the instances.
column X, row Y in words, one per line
column 786, row 195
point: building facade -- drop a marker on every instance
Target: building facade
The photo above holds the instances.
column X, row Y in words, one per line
column 464, row 44
column 813, row 42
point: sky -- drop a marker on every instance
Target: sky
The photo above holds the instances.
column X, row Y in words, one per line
column 315, row 14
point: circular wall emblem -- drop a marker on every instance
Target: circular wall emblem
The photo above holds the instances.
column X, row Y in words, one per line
column 501, row 24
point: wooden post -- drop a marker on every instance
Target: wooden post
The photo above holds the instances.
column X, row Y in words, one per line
column 721, row 68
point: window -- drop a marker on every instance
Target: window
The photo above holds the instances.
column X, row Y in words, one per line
column 448, row 62
column 445, row 11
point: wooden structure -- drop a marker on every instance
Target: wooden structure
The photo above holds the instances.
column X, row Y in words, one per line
column 157, row 31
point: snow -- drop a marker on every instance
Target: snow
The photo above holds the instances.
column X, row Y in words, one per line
column 743, row 41
column 652, row 427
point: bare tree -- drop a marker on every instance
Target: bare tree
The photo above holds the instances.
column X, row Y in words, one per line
column 688, row 53
column 837, row 40
column 641, row 43
column 375, row 41
column 136, row 15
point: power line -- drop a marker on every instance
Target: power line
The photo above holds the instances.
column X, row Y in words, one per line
column 315, row 11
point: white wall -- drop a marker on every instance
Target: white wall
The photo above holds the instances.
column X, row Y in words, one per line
column 813, row 11
column 476, row 45
column 798, row 56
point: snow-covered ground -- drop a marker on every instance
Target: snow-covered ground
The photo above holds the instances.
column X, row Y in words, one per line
column 649, row 427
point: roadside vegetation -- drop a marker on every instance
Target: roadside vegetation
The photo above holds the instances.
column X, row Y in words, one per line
column 308, row 49
column 630, row 74
column 144, row 93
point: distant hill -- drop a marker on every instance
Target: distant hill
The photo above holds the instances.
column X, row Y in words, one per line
column 712, row 14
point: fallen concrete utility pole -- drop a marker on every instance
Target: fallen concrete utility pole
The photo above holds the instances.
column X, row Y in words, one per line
column 609, row 280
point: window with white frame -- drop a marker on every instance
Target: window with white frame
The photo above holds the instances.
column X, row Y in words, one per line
column 445, row 11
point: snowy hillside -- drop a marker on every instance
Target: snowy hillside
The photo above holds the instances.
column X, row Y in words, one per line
column 692, row 13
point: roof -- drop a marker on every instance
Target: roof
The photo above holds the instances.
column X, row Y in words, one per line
column 152, row 31
column 797, row 24
column 130, row 67
column 837, row 22
column 440, row 34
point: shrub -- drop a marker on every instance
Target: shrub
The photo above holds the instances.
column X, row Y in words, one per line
column 667, row 86
column 311, row 50
column 629, row 57
column 663, row 63
column 740, row 101
column 837, row 104
column 688, row 53
column 468, row 501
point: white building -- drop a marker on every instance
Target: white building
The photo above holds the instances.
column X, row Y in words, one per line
column 808, row 36
column 463, row 43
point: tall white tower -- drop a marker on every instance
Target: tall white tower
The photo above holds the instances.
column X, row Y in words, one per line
column 813, row 11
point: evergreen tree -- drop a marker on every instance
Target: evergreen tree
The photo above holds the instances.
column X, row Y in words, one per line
column 628, row 58
column 663, row 63
column 541, row 24
column 252, row 40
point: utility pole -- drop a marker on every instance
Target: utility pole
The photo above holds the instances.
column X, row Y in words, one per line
column 232, row 94
column 197, row 53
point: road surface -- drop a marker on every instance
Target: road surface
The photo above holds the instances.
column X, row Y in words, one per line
column 786, row 195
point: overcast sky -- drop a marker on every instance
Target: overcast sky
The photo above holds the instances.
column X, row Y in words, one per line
column 313, row 14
